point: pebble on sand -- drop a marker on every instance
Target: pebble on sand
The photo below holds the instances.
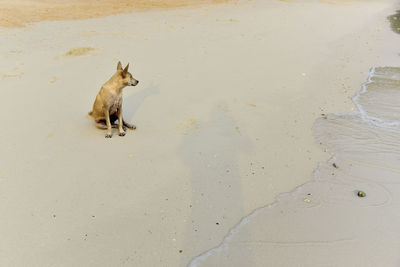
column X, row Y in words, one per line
column 361, row 194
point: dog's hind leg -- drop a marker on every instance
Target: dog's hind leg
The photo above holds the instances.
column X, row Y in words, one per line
column 130, row 126
column 102, row 125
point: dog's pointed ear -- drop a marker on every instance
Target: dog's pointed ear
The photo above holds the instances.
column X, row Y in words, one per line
column 125, row 70
column 119, row 66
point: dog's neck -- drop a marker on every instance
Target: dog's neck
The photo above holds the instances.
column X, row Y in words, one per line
column 119, row 89
column 116, row 83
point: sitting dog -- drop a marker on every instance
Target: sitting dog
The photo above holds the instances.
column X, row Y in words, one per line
column 107, row 107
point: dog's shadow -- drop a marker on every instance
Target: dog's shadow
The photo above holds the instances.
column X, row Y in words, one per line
column 133, row 102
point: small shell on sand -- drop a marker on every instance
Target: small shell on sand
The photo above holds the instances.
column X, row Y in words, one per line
column 361, row 194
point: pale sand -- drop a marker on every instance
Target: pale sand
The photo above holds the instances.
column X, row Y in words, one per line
column 224, row 108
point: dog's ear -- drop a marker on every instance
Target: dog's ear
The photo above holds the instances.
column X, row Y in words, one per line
column 119, row 66
column 125, row 71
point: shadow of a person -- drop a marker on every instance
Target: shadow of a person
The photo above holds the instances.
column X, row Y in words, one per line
column 210, row 151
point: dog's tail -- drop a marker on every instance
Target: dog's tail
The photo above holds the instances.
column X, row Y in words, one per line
column 90, row 115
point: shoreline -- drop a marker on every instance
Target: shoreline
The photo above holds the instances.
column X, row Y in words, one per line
column 352, row 181
column 238, row 244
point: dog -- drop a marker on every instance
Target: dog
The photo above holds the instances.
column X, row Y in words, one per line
column 107, row 107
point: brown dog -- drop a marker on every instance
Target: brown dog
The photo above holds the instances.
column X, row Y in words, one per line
column 107, row 107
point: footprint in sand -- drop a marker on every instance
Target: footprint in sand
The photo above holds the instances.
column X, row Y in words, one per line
column 77, row 52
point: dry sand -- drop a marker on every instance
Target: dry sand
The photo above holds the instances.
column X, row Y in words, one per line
column 225, row 107
column 16, row 13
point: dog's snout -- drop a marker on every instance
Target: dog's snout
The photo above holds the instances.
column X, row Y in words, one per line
column 135, row 82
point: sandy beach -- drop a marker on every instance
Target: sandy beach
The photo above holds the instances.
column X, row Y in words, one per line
column 17, row 13
column 238, row 102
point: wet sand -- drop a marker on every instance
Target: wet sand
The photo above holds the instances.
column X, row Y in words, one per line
column 347, row 216
column 225, row 107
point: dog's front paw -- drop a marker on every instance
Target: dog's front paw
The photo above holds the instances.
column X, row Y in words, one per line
column 122, row 134
column 108, row 135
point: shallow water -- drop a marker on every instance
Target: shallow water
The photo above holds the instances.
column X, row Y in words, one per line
column 325, row 222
